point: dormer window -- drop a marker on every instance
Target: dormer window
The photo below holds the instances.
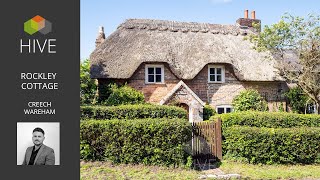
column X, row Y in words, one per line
column 216, row 74
column 154, row 74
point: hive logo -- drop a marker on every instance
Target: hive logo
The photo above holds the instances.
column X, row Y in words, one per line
column 36, row 24
column 41, row 45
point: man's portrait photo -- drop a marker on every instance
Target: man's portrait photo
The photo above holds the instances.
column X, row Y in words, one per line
column 38, row 144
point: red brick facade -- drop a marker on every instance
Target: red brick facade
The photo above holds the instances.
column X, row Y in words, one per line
column 213, row 93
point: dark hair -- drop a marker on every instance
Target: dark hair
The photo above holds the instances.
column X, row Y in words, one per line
column 38, row 130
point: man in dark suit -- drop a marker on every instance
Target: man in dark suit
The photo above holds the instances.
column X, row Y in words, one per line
column 39, row 154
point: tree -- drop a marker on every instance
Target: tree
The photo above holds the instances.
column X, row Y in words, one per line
column 298, row 100
column 88, row 86
column 249, row 100
column 297, row 37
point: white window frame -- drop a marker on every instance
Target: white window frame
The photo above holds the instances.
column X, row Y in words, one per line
column 154, row 66
column 222, row 73
column 224, row 108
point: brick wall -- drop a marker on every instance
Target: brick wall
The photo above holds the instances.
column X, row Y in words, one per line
column 247, row 22
column 212, row 93
column 153, row 92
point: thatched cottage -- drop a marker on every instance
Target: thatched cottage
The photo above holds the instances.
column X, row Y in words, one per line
column 186, row 63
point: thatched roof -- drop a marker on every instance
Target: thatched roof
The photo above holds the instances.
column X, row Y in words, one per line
column 186, row 47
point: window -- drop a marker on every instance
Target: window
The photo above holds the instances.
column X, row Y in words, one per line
column 154, row 74
column 224, row 109
column 215, row 74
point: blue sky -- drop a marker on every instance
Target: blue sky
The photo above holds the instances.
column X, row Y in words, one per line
column 111, row 13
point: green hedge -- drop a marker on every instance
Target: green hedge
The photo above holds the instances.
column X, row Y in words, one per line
column 138, row 111
column 147, row 141
column 268, row 119
column 272, row 146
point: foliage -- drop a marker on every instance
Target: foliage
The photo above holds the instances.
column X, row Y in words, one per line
column 281, row 108
column 295, row 37
column 124, row 95
column 268, row 119
column 88, row 86
column 86, row 151
column 145, row 141
column 208, row 111
column 137, row 111
column 297, row 99
column 189, row 162
column 272, row 146
column 249, row 100
column 105, row 89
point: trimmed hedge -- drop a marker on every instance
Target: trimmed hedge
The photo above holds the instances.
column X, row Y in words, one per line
column 272, row 146
column 147, row 141
column 138, row 111
column 268, row 119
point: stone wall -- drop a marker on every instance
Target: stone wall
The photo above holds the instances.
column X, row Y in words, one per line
column 195, row 108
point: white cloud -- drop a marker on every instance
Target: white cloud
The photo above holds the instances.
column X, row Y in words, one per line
column 220, row 1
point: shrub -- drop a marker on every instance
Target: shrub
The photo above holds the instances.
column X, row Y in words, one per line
column 137, row 111
column 268, row 119
column 208, row 111
column 249, row 100
column 272, row 146
column 147, row 141
column 105, row 89
column 124, row 95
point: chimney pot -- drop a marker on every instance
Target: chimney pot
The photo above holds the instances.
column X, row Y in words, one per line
column 101, row 29
column 253, row 15
column 246, row 13
column 248, row 22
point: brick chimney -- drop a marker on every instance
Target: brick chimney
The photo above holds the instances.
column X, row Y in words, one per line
column 101, row 36
column 246, row 22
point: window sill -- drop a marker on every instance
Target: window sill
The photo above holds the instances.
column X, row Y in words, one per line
column 151, row 83
column 216, row 82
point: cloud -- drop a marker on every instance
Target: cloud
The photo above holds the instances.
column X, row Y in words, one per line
column 220, row 1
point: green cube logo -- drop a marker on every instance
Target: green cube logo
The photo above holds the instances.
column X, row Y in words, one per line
column 36, row 24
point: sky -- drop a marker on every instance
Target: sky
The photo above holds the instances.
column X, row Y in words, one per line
column 111, row 13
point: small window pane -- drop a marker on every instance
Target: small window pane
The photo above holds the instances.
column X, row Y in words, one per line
column 158, row 78
column 150, row 78
column 212, row 71
column 218, row 70
column 228, row 110
column 220, row 110
column 158, row 70
column 218, row 77
column 150, row 70
column 212, row 78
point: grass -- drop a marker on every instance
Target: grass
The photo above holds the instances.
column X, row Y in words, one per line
column 106, row 170
column 272, row 171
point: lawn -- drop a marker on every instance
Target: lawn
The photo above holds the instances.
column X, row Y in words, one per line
column 272, row 171
column 106, row 170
